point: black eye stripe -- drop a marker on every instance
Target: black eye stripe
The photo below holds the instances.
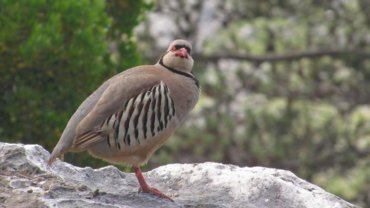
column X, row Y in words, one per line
column 187, row 49
column 177, row 47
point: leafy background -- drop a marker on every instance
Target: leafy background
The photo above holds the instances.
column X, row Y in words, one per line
column 285, row 83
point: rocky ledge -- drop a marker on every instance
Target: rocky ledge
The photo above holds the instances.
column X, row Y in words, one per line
column 26, row 181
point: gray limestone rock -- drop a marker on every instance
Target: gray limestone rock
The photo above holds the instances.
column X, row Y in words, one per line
column 27, row 181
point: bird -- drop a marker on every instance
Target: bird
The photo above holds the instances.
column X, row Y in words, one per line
column 132, row 114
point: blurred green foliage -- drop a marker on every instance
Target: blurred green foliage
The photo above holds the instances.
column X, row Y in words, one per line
column 310, row 115
column 53, row 54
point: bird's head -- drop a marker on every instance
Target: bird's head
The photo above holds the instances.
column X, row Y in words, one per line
column 178, row 56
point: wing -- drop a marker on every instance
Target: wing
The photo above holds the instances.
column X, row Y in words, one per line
column 124, row 97
column 65, row 142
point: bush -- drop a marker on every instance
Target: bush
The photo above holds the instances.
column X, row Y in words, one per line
column 52, row 55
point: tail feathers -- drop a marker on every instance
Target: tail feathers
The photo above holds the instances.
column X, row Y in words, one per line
column 80, row 143
column 63, row 146
column 51, row 160
column 54, row 156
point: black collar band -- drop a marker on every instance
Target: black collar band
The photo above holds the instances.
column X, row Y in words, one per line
column 179, row 72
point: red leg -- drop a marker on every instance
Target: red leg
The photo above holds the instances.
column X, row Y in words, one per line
column 144, row 187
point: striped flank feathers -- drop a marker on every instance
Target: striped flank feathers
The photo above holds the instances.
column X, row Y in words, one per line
column 141, row 117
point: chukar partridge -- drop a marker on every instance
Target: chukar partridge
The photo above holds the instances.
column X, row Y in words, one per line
column 133, row 113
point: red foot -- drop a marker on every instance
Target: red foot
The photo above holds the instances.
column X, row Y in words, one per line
column 144, row 186
column 155, row 192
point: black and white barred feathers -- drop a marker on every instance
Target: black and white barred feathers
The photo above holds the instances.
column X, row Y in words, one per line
column 141, row 117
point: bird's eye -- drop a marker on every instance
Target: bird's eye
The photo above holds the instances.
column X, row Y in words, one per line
column 187, row 49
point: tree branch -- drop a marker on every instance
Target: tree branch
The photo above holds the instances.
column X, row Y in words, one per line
column 283, row 57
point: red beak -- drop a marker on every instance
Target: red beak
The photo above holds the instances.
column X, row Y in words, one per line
column 181, row 53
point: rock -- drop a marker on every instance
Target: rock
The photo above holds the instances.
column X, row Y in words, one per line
column 26, row 181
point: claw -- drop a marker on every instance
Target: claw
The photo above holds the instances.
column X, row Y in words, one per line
column 144, row 186
column 155, row 192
